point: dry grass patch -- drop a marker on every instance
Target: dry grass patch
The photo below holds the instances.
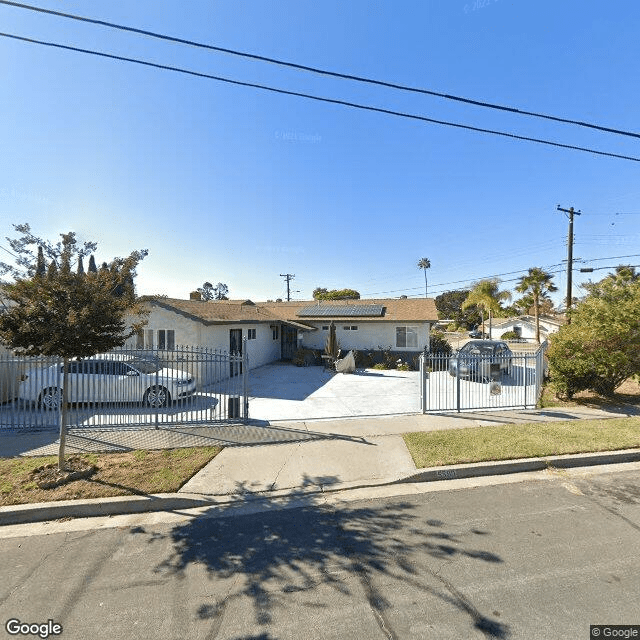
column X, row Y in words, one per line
column 118, row 474
column 512, row 441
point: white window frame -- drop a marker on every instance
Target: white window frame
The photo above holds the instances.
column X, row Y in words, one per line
column 166, row 339
column 251, row 334
column 406, row 330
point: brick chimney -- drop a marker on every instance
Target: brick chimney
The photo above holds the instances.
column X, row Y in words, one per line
column 195, row 295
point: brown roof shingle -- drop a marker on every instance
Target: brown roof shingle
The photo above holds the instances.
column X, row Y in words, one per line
column 225, row 311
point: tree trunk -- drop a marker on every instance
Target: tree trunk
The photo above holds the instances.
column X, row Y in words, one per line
column 64, row 411
column 536, row 313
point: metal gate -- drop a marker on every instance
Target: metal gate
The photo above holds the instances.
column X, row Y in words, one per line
column 126, row 388
column 482, row 382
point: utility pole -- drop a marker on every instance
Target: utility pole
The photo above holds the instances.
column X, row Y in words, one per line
column 288, row 277
column 570, row 213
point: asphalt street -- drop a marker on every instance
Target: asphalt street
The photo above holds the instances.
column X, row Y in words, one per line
column 541, row 558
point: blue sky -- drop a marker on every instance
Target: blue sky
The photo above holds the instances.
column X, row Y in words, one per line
column 232, row 184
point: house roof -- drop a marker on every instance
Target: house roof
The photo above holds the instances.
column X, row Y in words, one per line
column 246, row 311
column 216, row 311
column 393, row 310
column 530, row 320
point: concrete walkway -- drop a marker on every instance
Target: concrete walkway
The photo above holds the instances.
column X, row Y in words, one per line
column 271, row 461
column 345, row 453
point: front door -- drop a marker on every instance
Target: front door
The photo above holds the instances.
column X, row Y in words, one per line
column 288, row 342
column 235, row 349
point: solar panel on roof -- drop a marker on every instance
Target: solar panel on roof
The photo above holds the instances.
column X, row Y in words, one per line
column 342, row 311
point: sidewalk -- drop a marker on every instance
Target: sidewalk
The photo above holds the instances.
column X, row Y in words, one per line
column 304, row 457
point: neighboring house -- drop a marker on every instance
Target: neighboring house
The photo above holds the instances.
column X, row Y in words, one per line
column 274, row 330
column 525, row 327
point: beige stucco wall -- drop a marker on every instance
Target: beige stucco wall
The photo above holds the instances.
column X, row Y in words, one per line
column 369, row 335
column 188, row 332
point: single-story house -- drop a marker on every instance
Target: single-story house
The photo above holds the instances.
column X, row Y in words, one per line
column 373, row 324
column 525, row 327
column 274, row 330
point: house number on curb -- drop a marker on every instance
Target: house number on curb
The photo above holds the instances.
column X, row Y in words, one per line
column 446, row 474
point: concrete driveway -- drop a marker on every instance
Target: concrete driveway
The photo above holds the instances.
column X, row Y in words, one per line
column 282, row 391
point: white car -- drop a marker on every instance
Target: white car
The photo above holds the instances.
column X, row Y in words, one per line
column 97, row 380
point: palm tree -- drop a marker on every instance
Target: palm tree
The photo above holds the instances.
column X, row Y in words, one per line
column 425, row 264
column 538, row 285
column 487, row 297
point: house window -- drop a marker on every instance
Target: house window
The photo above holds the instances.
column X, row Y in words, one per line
column 406, row 337
column 325, row 327
column 251, row 334
column 350, row 327
column 166, row 339
column 140, row 339
column 275, row 333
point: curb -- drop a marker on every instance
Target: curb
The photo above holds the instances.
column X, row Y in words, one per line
column 121, row 505
column 478, row 469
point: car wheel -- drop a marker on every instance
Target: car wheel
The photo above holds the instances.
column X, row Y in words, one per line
column 50, row 399
column 156, row 396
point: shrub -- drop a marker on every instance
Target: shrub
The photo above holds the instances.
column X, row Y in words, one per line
column 509, row 335
column 438, row 344
column 364, row 359
column 305, row 357
column 601, row 347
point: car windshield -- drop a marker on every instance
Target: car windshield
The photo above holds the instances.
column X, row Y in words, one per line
column 478, row 349
column 149, row 365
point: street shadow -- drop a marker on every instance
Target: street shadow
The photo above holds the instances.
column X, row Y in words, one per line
column 290, row 549
column 117, row 439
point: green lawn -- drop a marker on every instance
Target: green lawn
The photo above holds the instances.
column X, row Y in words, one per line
column 508, row 442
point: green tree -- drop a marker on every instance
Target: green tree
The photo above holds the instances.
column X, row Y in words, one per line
column 320, row 293
column 487, row 296
column 66, row 313
column 424, row 264
column 537, row 284
column 449, row 306
column 601, row 347
column 209, row 292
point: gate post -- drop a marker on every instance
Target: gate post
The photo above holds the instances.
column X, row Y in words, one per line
column 245, row 381
column 423, row 382
column 526, row 376
column 458, row 386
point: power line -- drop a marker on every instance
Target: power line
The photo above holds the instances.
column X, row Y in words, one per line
column 468, row 280
column 632, row 255
column 324, row 72
column 345, row 103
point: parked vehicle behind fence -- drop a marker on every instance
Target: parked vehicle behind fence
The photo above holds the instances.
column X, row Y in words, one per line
column 102, row 380
column 478, row 359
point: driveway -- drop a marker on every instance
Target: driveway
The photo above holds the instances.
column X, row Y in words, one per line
column 282, row 391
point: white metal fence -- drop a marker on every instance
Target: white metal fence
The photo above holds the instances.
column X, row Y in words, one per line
column 464, row 382
column 126, row 388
